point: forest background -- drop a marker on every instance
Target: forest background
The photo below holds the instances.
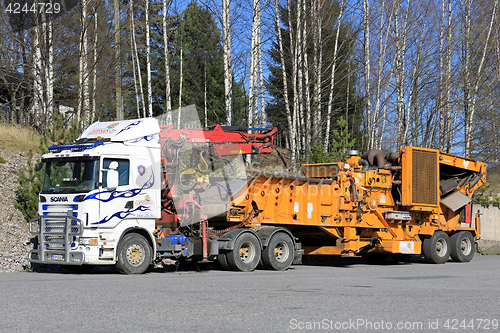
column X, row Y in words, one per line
column 331, row 75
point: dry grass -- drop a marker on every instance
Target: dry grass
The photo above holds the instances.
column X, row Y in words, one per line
column 18, row 138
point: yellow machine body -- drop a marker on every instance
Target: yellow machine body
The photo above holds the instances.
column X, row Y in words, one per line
column 351, row 208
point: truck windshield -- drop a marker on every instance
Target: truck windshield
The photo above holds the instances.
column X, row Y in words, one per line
column 70, row 175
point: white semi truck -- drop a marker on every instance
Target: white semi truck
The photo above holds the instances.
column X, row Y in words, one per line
column 109, row 197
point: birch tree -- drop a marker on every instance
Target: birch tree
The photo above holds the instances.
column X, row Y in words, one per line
column 136, row 57
column 228, row 76
column 118, row 67
column 292, row 139
column 332, row 76
column 94, row 71
column 168, row 100
column 471, row 96
column 400, row 39
column 148, row 60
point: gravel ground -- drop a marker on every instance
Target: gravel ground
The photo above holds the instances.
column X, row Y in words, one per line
column 14, row 233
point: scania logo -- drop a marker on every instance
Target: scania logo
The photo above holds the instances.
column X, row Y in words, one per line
column 59, row 199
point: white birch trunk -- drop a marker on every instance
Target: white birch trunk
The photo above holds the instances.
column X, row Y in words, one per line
column 332, row 78
column 448, row 106
column 136, row 55
column 180, row 86
column 307, row 126
column 148, row 60
column 118, row 70
column 86, row 83
column 285, row 88
column 318, row 61
column 400, row 36
column 94, row 72
column 263, row 118
column 168, row 100
column 293, row 42
column 37, row 79
column 469, row 121
column 50, row 69
column 300, row 99
column 375, row 134
column 366, row 72
column 132, row 58
column 440, row 101
column 228, row 77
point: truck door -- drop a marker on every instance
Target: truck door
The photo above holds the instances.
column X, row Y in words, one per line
column 114, row 203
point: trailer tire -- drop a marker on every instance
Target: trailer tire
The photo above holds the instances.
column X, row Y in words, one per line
column 134, row 254
column 463, row 246
column 279, row 252
column 436, row 249
column 245, row 255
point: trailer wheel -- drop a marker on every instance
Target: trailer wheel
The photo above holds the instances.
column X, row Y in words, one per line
column 463, row 246
column 279, row 253
column 245, row 255
column 134, row 254
column 436, row 249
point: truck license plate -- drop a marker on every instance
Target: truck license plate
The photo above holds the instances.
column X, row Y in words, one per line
column 57, row 257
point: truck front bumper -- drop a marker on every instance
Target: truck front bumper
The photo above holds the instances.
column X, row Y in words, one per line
column 57, row 237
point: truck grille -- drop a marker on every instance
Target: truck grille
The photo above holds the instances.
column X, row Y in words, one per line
column 56, row 236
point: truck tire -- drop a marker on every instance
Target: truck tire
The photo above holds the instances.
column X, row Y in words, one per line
column 279, row 252
column 222, row 260
column 134, row 254
column 436, row 249
column 463, row 246
column 245, row 255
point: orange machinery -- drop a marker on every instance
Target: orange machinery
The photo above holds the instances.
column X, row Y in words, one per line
column 411, row 202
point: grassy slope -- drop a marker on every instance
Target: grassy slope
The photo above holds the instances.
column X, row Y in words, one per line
column 18, row 138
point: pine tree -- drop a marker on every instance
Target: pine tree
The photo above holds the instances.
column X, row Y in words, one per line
column 341, row 143
column 30, row 178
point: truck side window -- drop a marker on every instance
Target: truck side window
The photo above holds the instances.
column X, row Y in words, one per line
column 123, row 171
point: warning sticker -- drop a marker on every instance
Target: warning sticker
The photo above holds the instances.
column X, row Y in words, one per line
column 309, row 209
column 407, row 247
column 296, row 207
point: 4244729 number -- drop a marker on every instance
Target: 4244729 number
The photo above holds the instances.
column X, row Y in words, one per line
column 36, row 7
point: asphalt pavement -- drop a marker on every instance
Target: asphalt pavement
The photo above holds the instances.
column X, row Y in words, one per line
column 324, row 295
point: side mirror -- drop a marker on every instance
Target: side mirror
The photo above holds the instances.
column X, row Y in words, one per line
column 39, row 166
column 112, row 176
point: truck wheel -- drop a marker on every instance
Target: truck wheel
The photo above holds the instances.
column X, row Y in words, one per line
column 463, row 246
column 279, row 253
column 436, row 249
column 245, row 255
column 222, row 260
column 134, row 254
